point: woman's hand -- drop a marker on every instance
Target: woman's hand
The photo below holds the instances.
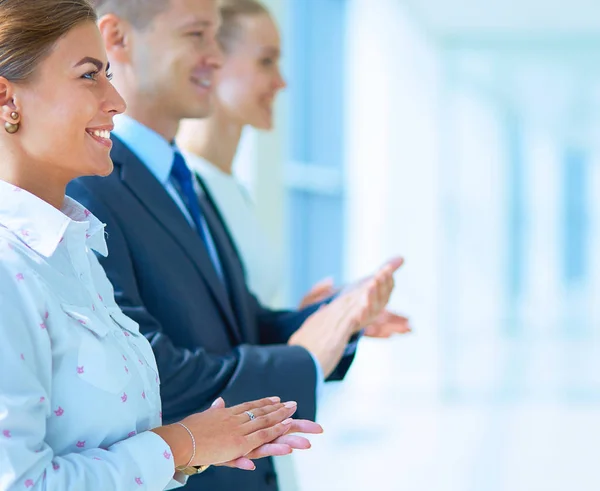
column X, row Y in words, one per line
column 284, row 445
column 225, row 434
column 319, row 292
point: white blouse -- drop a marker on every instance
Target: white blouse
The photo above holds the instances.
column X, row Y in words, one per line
column 79, row 387
column 263, row 263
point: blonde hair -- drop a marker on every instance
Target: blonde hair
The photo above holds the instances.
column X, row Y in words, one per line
column 231, row 12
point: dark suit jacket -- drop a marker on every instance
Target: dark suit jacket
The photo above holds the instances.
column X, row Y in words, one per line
column 209, row 340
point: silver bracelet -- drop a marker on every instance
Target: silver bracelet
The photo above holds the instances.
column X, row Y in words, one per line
column 193, row 444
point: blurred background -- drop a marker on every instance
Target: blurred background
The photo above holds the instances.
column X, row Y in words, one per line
column 465, row 136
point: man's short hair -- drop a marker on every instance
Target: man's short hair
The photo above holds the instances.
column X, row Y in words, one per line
column 139, row 13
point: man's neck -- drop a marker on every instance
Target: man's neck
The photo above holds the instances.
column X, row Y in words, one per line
column 154, row 119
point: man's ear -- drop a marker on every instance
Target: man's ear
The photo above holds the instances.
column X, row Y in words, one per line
column 117, row 36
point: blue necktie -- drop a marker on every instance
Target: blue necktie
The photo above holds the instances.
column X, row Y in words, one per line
column 184, row 182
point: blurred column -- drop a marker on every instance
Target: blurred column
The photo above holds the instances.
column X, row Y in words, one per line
column 575, row 234
column 480, row 190
column 593, row 245
column 540, row 303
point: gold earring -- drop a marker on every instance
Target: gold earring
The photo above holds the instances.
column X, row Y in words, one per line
column 12, row 127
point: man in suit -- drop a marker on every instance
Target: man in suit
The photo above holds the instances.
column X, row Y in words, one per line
column 174, row 266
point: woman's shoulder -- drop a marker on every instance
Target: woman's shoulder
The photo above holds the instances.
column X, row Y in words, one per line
column 19, row 265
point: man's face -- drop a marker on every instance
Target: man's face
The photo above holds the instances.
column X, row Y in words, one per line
column 174, row 59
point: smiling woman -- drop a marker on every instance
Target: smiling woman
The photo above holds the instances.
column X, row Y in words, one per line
column 55, row 79
column 79, row 393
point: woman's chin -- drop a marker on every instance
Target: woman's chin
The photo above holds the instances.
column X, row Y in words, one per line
column 101, row 169
column 263, row 125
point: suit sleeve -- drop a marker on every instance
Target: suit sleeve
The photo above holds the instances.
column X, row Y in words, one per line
column 191, row 379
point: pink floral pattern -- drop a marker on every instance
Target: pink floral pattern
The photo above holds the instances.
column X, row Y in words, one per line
column 81, row 394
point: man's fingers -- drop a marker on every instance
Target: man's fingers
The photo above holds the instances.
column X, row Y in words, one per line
column 394, row 264
column 388, row 324
column 377, row 332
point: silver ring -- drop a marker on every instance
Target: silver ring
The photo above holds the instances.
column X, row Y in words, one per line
column 251, row 415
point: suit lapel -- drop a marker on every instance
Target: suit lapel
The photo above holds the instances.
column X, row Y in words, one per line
column 155, row 198
column 230, row 258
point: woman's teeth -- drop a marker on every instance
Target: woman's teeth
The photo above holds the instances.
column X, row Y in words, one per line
column 101, row 133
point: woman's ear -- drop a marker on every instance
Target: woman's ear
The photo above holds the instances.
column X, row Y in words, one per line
column 9, row 110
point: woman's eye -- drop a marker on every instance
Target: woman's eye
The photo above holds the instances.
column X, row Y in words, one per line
column 109, row 76
column 197, row 34
column 267, row 62
column 90, row 75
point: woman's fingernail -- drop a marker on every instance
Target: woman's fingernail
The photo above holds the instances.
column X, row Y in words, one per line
column 275, row 399
column 291, row 404
column 216, row 402
column 288, row 421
